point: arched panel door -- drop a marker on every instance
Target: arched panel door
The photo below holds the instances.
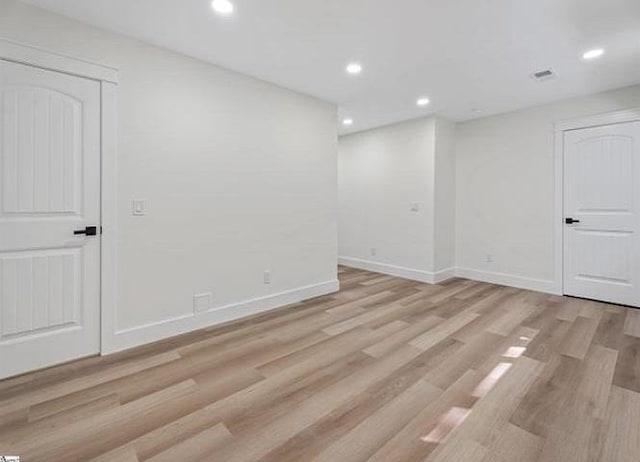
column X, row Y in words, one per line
column 49, row 202
column 602, row 213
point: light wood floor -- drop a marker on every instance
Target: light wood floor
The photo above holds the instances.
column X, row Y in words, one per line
column 387, row 370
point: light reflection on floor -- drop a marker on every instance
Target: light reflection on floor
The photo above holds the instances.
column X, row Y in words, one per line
column 455, row 416
column 514, row 352
column 491, row 380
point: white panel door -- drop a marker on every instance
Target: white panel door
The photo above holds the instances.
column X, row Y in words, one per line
column 602, row 213
column 49, row 189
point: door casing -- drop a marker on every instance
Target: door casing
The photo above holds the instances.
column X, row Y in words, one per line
column 107, row 76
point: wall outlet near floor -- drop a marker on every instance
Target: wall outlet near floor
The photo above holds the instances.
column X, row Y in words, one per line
column 267, row 277
column 415, row 207
column 202, row 302
column 489, row 258
column 374, row 251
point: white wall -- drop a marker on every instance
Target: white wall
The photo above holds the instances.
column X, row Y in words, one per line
column 487, row 187
column 444, row 196
column 239, row 177
column 380, row 173
column 505, row 188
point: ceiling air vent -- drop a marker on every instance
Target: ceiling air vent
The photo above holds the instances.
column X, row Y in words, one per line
column 542, row 76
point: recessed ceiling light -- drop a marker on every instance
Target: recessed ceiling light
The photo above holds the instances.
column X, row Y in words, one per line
column 423, row 101
column 354, row 68
column 222, row 6
column 592, row 54
column 347, row 122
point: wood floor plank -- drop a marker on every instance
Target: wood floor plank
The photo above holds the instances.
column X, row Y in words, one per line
column 308, row 443
column 622, row 423
column 516, row 444
column 253, row 446
column 547, row 343
column 200, row 447
column 325, row 352
column 443, row 330
column 361, row 319
column 422, row 434
column 361, row 442
column 632, row 323
column 451, row 291
column 387, row 344
column 43, row 410
column 262, row 413
column 467, row 450
column 498, row 297
column 627, row 373
column 197, row 417
column 574, row 435
column 610, row 329
column 518, row 311
column 591, row 309
column 492, row 412
column 579, row 337
column 385, row 370
column 102, row 430
column 569, row 309
column 80, row 383
column 466, row 358
column 122, row 454
column 544, row 402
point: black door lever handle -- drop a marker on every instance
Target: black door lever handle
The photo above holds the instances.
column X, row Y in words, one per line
column 89, row 231
column 571, row 221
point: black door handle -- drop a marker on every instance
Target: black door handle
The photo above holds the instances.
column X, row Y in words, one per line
column 89, row 231
column 571, row 221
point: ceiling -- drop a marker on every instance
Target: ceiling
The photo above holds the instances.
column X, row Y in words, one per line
column 470, row 57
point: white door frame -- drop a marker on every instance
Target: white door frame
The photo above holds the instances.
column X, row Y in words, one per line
column 108, row 77
column 598, row 120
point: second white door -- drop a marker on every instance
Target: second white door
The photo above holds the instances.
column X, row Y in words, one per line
column 602, row 213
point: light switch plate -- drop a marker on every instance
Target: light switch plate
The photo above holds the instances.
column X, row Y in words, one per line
column 139, row 207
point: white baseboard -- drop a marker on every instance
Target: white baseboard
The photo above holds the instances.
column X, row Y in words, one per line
column 443, row 275
column 520, row 282
column 400, row 271
column 141, row 335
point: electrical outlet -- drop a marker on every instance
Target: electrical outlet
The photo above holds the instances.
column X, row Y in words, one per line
column 267, row 277
column 415, row 207
column 489, row 258
column 202, row 302
column 374, row 251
